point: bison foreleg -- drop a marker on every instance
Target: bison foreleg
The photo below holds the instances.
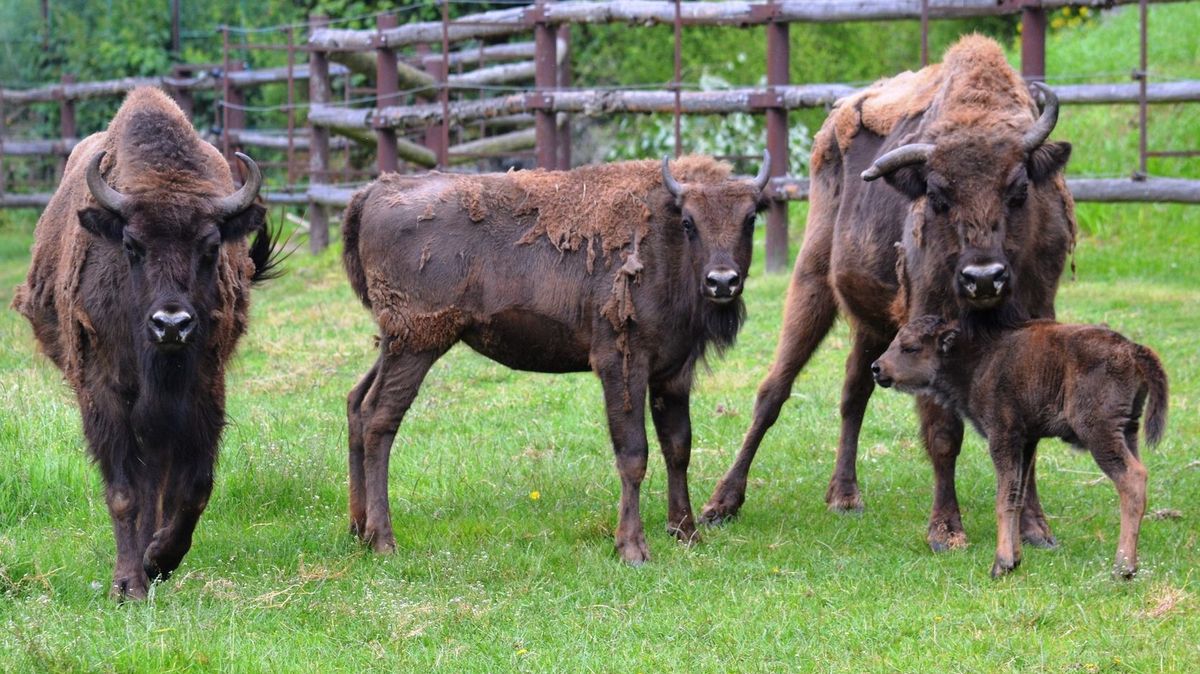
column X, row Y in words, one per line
column 669, row 408
column 625, row 403
column 185, row 498
column 125, row 484
column 354, row 419
column 942, row 432
column 842, row 494
column 383, row 408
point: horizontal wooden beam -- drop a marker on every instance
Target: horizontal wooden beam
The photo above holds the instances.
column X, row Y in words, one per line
column 1156, row 92
column 277, row 139
column 26, row 148
column 727, row 13
column 1112, row 190
column 80, row 90
column 244, row 78
column 499, row 144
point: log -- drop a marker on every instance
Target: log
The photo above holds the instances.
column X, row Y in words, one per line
column 242, row 78
column 27, row 148
column 492, row 145
column 469, row 56
column 288, row 198
column 508, row 72
column 587, row 102
column 328, row 195
column 24, row 200
column 727, row 13
column 80, row 90
column 277, row 139
column 365, row 63
column 1175, row 190
column 1156, row 92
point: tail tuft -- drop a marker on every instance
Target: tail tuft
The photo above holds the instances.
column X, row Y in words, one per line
column 351, row 259
column 1156, row 406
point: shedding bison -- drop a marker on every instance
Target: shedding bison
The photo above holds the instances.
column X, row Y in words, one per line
column 138, row 291
column 631, row 270
column 976, row 195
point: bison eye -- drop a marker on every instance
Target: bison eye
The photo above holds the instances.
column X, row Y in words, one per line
column 910, row 349
column 689, row 227
column 133, row 251
column 748, row 226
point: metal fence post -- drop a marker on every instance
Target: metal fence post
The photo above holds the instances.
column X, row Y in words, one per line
column 545, row 79
column 387, row 86
column 318, row 153
column 777, row 143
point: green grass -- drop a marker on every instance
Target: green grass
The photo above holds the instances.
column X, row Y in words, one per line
column 487, row 578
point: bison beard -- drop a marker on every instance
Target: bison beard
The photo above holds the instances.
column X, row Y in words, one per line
column 633, row 282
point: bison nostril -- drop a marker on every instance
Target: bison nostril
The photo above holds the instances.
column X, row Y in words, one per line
column 875, row 368
column 171, row 326
column 722, row 280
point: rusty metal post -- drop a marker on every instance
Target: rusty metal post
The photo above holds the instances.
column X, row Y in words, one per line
column 318, row 153
column 777, row 142
column 564, row 82
column 387, row 86
column 235, row 116
column 3, row 134
column 443, row 76
column 678, row 25
column 545, row 78
column 66, row 118
column 183, row 95
column 1033, row 43
column 924, row 33
column 1142, row 75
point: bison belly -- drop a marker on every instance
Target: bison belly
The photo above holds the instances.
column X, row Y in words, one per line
column 525, row 340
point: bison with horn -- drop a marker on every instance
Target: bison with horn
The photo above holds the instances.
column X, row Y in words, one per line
column 630, row 270
column 138, row 291
column 974, row 194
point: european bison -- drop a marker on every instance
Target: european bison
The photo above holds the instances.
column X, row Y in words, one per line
column 631, row 270
column 1085, row 384
column 138, row 291
column 976, row 194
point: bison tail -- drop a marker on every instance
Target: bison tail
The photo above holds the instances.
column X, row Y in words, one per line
column 1156, row 407
column 267, row 255
column 351, row 258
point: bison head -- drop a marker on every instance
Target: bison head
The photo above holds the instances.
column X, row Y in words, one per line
column 716, row 223
column 914, row 358
column 978, row 195
column 172, row 247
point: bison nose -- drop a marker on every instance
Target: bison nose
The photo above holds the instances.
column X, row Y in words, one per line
column 981, row 281
column 877, row 372
column 722, row 284
column 171, row 327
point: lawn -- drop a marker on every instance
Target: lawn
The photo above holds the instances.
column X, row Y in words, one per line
column 504, row 495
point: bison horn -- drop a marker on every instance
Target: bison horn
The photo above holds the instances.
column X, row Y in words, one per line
column 240, row 200
column 764, row 173
column 669, row 180
column 1040, row 131
column 104, row 193
column 905, row 155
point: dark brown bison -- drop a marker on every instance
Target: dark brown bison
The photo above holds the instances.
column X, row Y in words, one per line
column 977, row 196
column 138, row 291
column 630, row 270
column 1085, row 384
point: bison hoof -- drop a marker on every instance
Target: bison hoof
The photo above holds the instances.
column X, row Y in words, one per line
column 1002, row 567
column 358, row 528
column 633, row 550
column 130, row 588
column 942, row 538
column 1036, row 532
column 684, row 532
column 1124, row 570
column 724, row 504
column 844, row 500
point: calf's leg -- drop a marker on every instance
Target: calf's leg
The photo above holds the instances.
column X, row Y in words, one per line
column 1009, row 461
column 396, row 384
column 1035, row 530
column 669, row 408
column 354, row 424
column 624, row 386
column 942, row 432
column 1126, row 471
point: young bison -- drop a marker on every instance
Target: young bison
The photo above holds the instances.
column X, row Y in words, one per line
column 1082, row 383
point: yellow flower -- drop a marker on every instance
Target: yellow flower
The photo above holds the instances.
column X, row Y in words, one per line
column 535, row 495
column 522, row 651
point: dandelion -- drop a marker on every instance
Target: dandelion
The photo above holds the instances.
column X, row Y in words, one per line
column 535, row 495
column 523, row 651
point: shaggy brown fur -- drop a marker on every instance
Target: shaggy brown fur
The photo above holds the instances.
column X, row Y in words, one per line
column 598, row 268
column 1085, row 384
column 979, row 199
column 152, row 418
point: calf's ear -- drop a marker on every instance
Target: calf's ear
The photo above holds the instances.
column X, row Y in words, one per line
column 102, row 223
column 946, row 339
column 237, row 227
column 1047, row 160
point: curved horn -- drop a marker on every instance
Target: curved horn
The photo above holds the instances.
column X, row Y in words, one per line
column 240, row 200
column 764, row 173
column 905, row 155
column 101, row 190
column 669, row 180
column 1040, row 131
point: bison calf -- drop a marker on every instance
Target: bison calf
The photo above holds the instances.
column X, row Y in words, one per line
column 630, row 270
column 1085, row 384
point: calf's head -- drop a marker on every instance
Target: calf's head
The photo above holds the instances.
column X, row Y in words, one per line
column 913, row 360
column 172, row 245
column 978, row 193
column 717, row 223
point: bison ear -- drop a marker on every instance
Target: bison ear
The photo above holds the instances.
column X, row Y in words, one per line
column 909, row 180
column 238, row 227
column 946, row 339
column 1047, row 160
column 102, row 223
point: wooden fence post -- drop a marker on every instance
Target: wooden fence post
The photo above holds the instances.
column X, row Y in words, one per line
column 777, row 144
column 318, row 151
column 387, row 86
column 564, row 82
column 66, row 118
column 545, row 79
column 1033, row 43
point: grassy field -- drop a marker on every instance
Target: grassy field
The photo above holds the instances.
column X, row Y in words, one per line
column 504, row 499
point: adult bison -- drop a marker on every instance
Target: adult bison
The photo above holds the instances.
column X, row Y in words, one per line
column 977, row 197
column 631, row 270
column 138, row 291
